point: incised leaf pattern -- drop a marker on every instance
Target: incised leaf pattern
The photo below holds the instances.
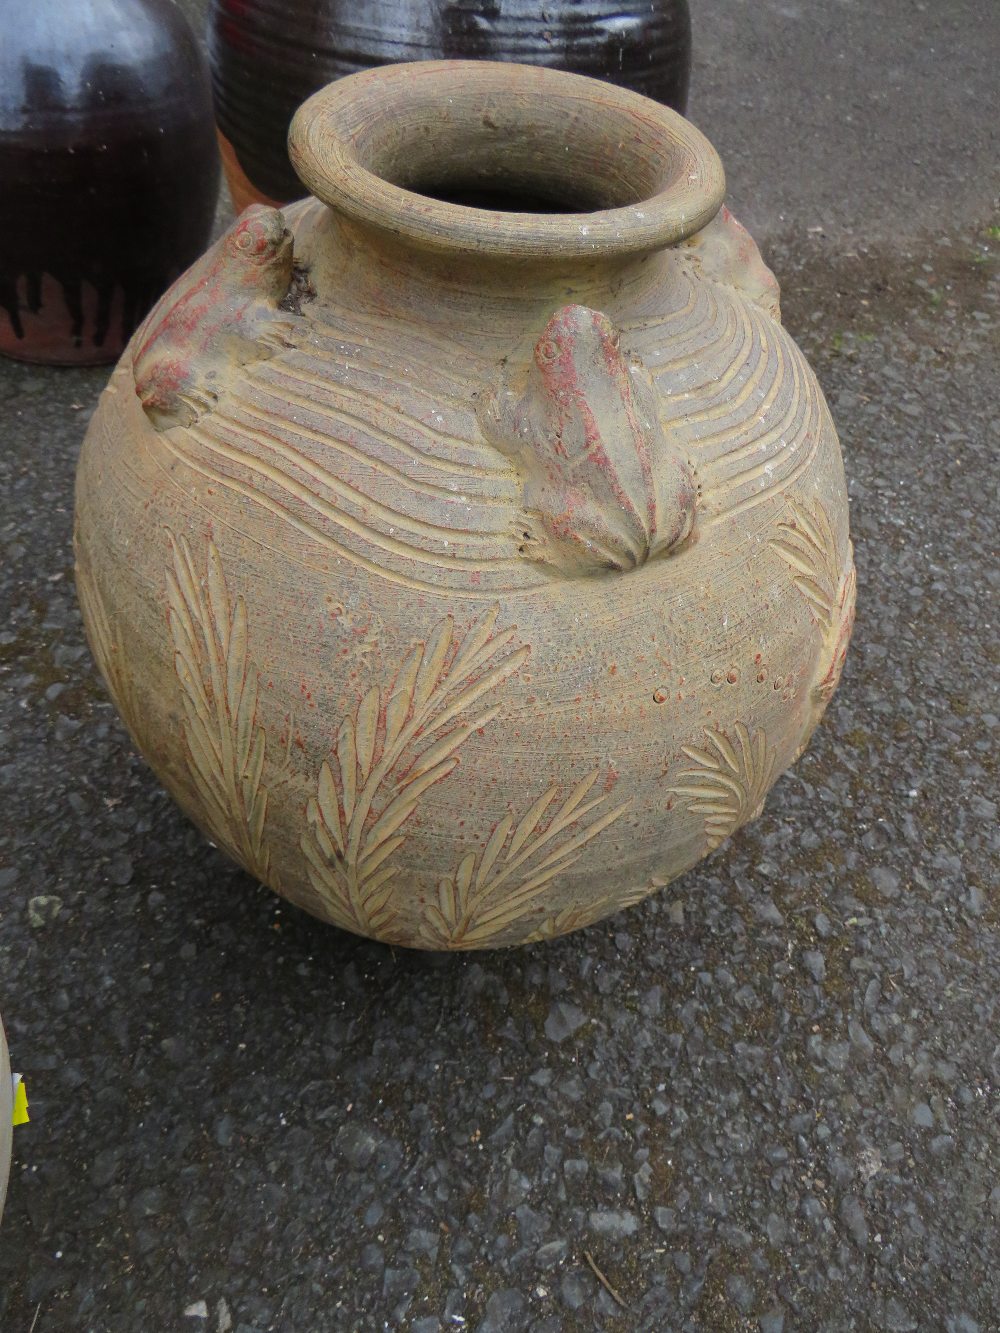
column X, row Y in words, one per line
column 490, row 890
column 400, row 740
column 807, row 544
column 576, row 918
column 219, row 683
column 727, row 780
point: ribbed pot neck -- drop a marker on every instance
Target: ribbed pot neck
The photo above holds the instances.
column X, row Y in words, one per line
column 506, row 161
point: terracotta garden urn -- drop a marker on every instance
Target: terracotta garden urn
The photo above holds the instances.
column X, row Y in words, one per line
column 466, row 547
column 6, row 1117
column 267, row 58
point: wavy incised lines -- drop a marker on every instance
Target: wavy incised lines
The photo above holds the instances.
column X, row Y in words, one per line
column 268, row 419
column 778, row 367
column 690, row 346
column 658, row 316
column 399, row 352
column 728, row 780
column 766, row 468
column 788, row 479
column 387, row 489
column 778, row 466
column 772, row 466
column 722, row 351
column 477, row 502
column 377, row 345
column 717, row 403
column 436, row 437
column 790, row 440
column 332, row 514
column 701, row 347
column 523, row 576
column 776, row 457
column 754, row 412
column 276, row 444
column 419, row 332
column 399, row 742
column 219, row 693
column 393, row 369
column 690, row 325
column 724, row 404
column 797, row 405
column 490, row 891
column 343, row 421
column 286, row 516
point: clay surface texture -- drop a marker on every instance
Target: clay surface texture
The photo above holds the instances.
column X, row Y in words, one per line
column 468, row 573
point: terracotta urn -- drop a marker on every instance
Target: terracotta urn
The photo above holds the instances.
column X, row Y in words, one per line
column 109, row 171
column 267, row 58
column 466, row 547
column 6, row 1117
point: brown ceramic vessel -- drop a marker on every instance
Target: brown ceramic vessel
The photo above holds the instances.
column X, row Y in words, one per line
column 109, row 172
column 467, row 548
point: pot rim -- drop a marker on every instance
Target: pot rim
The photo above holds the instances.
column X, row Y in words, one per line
column 365, row 144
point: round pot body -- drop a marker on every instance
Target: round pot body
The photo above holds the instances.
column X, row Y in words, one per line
column 268, row 57
column 467, row 573
column 6, row 1117
column 108, row 171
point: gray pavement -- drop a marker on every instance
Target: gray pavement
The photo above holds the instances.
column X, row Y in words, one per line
column 871, row 118
column 767, row 1100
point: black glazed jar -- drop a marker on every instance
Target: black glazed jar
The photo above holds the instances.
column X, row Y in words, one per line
column 268, row 56
column 109, row 171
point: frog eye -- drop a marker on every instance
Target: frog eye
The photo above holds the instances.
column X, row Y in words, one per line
column 252, row 240
column 547, row 351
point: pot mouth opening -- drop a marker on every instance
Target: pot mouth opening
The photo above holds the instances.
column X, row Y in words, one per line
column 508, row 160
column 514, row 196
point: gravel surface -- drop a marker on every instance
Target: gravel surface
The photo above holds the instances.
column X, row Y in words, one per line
column 768, row 1100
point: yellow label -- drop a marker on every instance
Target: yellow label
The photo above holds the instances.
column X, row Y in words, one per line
column 20, row 1102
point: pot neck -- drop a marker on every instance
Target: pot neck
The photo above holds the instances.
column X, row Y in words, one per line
column 473, row 175
column 373, row 270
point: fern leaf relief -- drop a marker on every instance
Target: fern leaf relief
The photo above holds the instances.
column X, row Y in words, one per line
column 401, row 740
column 727, row 780
column 219, row 684
column 488, row 892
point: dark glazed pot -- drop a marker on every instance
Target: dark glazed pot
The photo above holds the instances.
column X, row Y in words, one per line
column 109, row 171
column 268, row 56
